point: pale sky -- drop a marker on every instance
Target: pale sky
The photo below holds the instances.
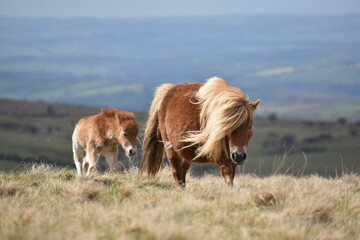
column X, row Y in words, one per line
column 160, row 8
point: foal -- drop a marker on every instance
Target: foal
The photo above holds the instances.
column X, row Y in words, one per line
column 101, row 134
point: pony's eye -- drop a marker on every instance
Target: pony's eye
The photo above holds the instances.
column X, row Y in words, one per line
column 125, row 134
column 250, row 127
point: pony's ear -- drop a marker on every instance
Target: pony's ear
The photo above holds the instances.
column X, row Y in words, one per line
column 255, row 104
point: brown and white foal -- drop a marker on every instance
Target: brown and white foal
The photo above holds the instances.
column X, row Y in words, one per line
column 101, row 134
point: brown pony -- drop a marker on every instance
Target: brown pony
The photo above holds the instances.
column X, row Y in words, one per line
column 198, row 123
column 100, row 135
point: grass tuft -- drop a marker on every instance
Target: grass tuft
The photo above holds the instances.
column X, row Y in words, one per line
column 10, row 189
column 266, row 199
column 321, row 215
column 87, row 191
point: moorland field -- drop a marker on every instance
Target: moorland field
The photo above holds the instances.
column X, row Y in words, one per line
column 300, row 181
column 47, row 203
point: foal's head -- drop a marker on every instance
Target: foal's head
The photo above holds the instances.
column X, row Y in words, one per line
column 128, row 132
column 239, row 139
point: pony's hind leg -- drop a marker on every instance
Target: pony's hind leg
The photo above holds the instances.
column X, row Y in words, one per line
column 184, row 168
column 178, row 166
column 78, row 157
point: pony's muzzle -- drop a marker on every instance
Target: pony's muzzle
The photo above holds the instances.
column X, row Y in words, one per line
column 238, row 156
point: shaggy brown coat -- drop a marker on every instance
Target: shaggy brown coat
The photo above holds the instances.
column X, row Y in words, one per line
column 100, row 135
column 195, row 122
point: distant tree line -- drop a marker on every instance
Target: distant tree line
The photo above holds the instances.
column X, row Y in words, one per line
column 14, row 126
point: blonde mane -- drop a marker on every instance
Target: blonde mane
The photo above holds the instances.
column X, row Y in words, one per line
column 223, row 109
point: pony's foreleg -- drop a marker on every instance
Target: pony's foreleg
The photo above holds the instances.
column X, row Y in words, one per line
column 78, row 157
column 112, row 160
column 227, row 170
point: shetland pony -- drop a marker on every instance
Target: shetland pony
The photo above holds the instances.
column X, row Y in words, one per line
column 198, row 123
column 100, row 135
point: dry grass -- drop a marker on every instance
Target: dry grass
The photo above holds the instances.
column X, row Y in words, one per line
column 47, row 203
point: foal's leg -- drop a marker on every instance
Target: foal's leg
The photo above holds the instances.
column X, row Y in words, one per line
column 85, row 164
column 112, row 160
column 227, row 170
column 78, row 157
column 92, row 159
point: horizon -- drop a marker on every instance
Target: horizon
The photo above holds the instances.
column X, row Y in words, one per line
column 165, row 8
column 189, row 16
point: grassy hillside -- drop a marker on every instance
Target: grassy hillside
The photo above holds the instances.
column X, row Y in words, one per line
column 41, row 132
column 46, row 203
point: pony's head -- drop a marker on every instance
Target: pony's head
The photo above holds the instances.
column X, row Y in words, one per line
column 239, row 139
column 225, row 121
column 128, row 132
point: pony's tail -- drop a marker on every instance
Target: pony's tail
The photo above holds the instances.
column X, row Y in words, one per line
column 153, row 147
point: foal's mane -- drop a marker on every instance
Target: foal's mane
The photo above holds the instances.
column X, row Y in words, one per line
column 223, row 109
column 115, row 113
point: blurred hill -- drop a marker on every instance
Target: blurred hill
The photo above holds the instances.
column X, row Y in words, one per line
column 35, row 132
column 300, row 66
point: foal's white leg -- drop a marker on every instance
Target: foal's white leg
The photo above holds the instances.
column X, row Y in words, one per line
column 78, row 157
column 85, row 165
column 92, row 159
column 112, row 161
